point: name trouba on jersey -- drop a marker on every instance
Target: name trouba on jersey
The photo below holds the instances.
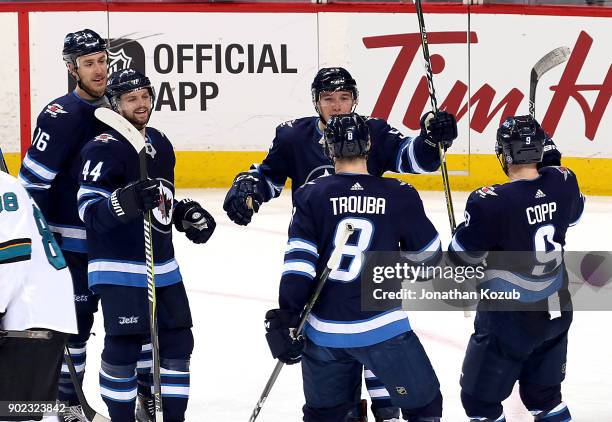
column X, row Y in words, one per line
column 358, row 205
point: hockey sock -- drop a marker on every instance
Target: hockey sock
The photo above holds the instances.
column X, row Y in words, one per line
column 118, row 387
column 381, row 402
column 143, row 370
column 559, row 414
column 175, row 388
column 66, row 391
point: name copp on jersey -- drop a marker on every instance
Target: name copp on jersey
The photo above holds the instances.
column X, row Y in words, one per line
column 388, row 215
column 523, row 215
column 297, row 153
column 51, row 167
column 116, row 251
column 35, row 284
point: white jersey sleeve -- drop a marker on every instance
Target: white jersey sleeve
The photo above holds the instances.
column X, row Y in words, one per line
column 35, row 284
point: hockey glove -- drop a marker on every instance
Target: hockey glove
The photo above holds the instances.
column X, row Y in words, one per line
column 279, row 326
column 439, row 128
column 243, row 199
column 134, row 199
column 193, row 220
column 552, row 156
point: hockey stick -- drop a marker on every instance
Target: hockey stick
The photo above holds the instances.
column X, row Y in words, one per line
column 332, row 263
column 39, row 335
column 91, row 414
column 546, row 63
column 434, row 106
column 129, row 132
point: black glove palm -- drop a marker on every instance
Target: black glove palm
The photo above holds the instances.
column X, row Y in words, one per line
column 134, row 199
column 284, row 347
column 237, row 204
column 197, row 223
column 439, row 128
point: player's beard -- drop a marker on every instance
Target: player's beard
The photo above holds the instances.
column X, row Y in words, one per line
column 138, row 121
column 92, row 90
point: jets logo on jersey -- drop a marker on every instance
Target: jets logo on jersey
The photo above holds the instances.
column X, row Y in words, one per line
column 55, row 109
column 486, row 190
column 105, row 138
column 163, row 212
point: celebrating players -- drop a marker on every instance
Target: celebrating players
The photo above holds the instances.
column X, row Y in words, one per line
column 297, row 153
column 111, row 204
column 339, row 336
column 531, row 212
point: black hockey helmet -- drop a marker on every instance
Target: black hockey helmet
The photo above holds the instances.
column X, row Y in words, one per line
column 520, row 140
column 82, row 43
column 347, row 135
column 331, row 79
column 124, row 81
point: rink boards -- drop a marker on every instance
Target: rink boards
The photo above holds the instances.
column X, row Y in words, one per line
column 226, row 75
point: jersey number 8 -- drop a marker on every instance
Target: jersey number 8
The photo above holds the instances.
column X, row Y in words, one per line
column 352, row 252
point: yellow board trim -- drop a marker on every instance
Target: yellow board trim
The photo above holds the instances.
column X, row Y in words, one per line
column 216, row 169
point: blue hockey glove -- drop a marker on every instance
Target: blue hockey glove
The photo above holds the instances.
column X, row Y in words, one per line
column 552, row 156
column 190, row 218
column 134, row 199
column 439, row 128
column 243, row 199
column 284, row 347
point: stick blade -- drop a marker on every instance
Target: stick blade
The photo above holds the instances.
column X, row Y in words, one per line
column 121, row 125
column 552, row 59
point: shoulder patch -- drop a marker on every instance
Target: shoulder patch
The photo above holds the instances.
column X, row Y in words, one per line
column 55, row 109
column 288, row 123
column 105, row 138
column 485, row 191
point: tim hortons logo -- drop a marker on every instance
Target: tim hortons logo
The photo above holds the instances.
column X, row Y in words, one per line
column 483, row 109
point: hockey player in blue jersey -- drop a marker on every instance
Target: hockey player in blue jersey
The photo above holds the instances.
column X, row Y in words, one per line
column 50, row 171
column 339, row 337
column 297, row 154
column 111, row 203
column 531, row 212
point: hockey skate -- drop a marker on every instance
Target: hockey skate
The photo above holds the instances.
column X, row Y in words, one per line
column 72, row 414
column 145, row 408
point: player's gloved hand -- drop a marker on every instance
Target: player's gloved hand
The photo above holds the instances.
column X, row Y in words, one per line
column 243, row 199
column 279, row 326
column 193, row 220
column 552, row 156
column 134, row 199
column 439, row 128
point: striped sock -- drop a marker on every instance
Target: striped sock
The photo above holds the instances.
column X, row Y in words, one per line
column 118, row 387
column 66, row 391
column 175, row 388
column 381, row 401
column 143, row 370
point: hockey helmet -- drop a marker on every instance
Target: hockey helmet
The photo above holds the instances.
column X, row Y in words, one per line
column 82, row 43
column 520, row 140
column 332, row 79
column 347, row 135
column 124, row 81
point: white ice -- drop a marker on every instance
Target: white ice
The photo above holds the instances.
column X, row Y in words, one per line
column 233, row 279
